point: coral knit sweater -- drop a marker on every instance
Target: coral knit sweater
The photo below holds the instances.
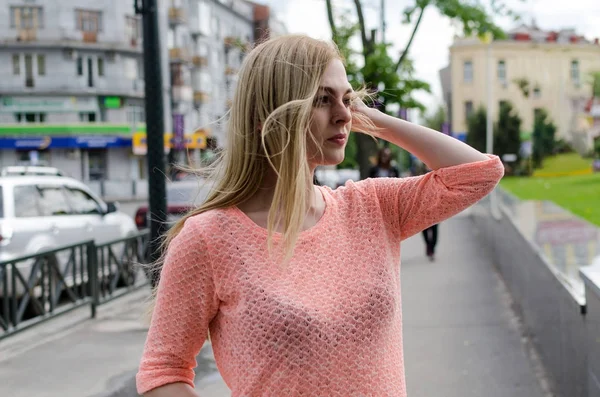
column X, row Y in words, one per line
column 329, row 323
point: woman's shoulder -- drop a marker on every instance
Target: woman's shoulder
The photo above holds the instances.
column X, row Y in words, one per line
column 352, row 190
column 207, row 222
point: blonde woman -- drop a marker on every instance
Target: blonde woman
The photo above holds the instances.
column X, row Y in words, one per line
column 298, row 284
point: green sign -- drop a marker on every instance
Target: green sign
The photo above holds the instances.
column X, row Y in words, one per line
column 112, row 102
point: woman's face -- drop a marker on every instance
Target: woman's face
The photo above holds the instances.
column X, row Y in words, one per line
column 331, row 117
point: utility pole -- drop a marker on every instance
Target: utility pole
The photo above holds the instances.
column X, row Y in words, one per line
column 382, row 9
column 154, row 128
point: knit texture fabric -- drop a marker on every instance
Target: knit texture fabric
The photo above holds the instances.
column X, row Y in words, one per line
column 328, row 323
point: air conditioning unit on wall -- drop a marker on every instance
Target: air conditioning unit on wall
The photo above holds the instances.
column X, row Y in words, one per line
column 111, row 56
column 70, row 54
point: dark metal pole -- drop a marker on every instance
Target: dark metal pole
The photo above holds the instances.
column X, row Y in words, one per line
column 154, row 128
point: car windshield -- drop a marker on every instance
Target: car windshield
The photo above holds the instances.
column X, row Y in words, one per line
column 187, row 192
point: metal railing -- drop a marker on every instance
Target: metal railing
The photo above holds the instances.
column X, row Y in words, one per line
column 38, row 287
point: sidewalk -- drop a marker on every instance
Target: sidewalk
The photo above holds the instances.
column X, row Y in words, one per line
column 460, row 336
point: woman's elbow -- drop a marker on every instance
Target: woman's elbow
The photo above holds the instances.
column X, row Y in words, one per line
column 172, row 390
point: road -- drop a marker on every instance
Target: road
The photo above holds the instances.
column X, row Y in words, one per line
column 130, row 207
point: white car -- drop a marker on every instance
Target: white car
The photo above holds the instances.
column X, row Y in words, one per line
column 39, row 213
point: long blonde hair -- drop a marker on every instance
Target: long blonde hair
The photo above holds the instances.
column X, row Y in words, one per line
column 267, row 128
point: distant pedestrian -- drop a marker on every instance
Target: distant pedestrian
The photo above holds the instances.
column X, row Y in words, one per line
column 384, row 167
column 298, row 284
column 430, row 235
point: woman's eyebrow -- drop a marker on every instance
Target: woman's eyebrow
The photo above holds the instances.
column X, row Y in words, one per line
column 332, row 91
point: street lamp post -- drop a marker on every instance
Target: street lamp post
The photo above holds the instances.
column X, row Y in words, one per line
column 489, row 125
column 154, row 127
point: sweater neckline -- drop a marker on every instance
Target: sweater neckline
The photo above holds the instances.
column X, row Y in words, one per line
column 315, row 229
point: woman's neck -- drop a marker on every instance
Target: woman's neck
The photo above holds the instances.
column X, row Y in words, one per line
column 262, row 200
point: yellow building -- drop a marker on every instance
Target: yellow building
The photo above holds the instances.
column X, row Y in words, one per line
column 557, row 66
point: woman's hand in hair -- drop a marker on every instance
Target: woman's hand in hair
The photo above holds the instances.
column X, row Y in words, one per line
column 362, row 118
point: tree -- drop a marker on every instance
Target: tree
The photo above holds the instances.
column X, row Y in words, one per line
column 394, row 79
column 543, row 137
column 507, row 131
column 596, row 84
column 436, row 120
column 476, row 129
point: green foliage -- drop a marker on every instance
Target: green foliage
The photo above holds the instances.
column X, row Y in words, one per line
column 596, row 84
column 476, row 129
column 543, row 138
column 350, row 159
column 597, row 146
column 395, row 80
column 507, row 131
column 523, row 85
column 562, row 146
column 435, row 120
column 471, row 15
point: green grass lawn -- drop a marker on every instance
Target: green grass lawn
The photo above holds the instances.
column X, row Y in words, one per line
column 578, row 194
column 567, row 162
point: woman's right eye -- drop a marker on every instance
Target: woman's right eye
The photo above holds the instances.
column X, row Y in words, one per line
column 322, row 100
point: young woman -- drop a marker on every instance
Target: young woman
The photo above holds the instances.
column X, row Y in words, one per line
column 298, row 284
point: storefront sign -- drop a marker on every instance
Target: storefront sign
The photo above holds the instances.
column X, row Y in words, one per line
column 87, row 142
column 32, row 104
column 197, row 140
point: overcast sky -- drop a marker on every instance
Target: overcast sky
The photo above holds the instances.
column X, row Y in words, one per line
column 430, row 47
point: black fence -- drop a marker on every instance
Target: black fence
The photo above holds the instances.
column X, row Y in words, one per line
column 38, row 287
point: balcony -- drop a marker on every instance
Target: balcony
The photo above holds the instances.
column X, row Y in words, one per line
column 201, row 97
column 177, row 16
column 199, row 61
column 178, row 55
column 27, row 35
column 182, row 93
column 90, row 37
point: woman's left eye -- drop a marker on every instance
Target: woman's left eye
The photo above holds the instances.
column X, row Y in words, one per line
column 347, row 101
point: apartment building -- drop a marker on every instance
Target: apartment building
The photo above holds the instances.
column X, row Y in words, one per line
column 556, row 65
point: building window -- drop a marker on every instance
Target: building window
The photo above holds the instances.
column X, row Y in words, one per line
column 502, row 71
column 468, row 109
column 29, row 81
column 97, row 164
column 575, row 72
column 16, row 59
column 41, row 65
column 33, row 157
column 79, row 66
column 468, row 72
column 133, row 29
column 88, row 21
column 89, row 117
column 27, row 17
column 101, row 67
column 537, row 92
column 30, row 117
column 136, row 114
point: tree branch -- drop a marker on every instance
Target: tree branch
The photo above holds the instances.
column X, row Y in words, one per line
column 412, row 36
column 363, row 34
column 331, row 20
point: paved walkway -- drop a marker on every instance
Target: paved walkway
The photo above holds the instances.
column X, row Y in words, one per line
column 461, row 338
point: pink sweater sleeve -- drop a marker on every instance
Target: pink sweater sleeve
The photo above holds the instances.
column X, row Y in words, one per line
column 415, row 203
column 186, row 303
